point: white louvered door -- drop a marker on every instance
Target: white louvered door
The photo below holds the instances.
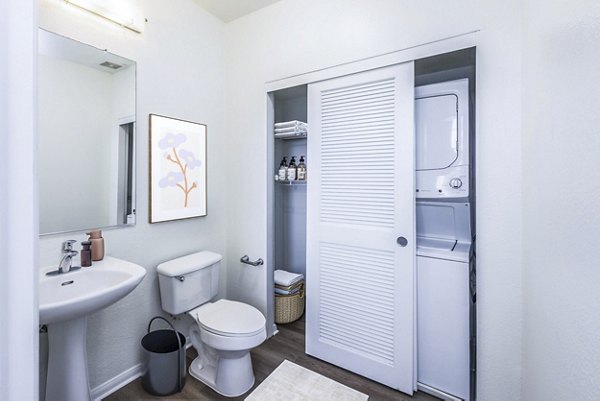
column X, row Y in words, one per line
column 360, row 280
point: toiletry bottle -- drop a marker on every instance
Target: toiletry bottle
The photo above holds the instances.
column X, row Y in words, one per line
column 291, row 172
column 283, row 169
column 97, row 244
column 301, row 170
column 86, row 254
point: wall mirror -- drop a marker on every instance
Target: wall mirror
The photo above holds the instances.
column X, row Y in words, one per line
column 86, row 126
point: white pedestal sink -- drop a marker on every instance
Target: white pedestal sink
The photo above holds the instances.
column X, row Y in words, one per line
column 65, row 300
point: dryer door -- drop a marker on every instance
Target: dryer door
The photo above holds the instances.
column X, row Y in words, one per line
column 437, row 126
column 442, row 140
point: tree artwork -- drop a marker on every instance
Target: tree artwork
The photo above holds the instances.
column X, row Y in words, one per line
column 177, row 169
column 183, row 160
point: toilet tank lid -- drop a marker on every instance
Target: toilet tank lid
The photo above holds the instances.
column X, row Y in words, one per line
column 189, row 263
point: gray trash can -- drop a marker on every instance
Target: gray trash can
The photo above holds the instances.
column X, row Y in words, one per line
column 165, row 360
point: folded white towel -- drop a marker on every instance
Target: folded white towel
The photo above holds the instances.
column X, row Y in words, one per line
column 284, row 278
column 292, row 134
column 290, row 129
column 293, row 291
column 291, row 124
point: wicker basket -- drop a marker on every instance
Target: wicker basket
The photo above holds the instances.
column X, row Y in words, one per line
column 289, row 308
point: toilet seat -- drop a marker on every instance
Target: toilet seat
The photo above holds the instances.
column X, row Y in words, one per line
column 229, row 318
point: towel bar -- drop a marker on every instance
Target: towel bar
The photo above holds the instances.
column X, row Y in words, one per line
column 245, row 259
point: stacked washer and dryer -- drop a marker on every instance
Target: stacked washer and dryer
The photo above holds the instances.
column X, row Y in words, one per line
column 445, row 263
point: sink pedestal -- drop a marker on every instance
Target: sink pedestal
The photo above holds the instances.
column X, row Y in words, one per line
column 67, row 361
column 65, row 302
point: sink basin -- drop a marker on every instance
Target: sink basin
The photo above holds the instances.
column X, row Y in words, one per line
column 71, row 295
column 65, row 301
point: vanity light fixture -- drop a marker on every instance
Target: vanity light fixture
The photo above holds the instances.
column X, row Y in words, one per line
column 122, row 18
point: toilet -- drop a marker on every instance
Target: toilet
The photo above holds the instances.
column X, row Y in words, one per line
column 225, row 331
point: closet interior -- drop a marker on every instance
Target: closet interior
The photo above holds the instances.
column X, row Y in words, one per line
column 290, row 194
column 290, row 173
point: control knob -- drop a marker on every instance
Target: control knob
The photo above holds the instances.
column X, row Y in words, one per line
column 455, row 183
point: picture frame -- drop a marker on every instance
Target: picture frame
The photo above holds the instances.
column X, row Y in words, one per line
column 177, row 169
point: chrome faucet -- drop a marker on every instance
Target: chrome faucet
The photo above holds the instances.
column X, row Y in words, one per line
column 66, row 263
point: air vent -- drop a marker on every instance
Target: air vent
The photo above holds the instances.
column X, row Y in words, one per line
column 108, row 64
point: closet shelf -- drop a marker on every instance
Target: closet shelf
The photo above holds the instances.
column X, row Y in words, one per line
column 291, row 183
column 286, row 136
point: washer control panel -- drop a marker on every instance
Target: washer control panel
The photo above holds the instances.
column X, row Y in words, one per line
column 452, row 182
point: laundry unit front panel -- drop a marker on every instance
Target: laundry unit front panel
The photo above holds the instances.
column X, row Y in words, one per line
column 442, row 140
column 443, row 325
column 444, row 249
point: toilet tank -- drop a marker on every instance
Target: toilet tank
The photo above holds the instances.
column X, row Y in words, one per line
column 188, row 281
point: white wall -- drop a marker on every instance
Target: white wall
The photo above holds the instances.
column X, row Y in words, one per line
column 179, row 74
column 74, row 121
column 561, row 192
column 18, row 202
column 294, row 37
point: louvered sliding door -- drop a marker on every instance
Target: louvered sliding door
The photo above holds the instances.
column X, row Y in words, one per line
column 360, row 277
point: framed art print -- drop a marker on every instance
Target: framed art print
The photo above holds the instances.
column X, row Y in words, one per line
column 177, row 169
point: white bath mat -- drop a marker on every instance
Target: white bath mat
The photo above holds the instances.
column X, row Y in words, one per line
column 290, row 382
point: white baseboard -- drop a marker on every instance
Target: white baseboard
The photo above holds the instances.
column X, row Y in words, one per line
column 117, row 382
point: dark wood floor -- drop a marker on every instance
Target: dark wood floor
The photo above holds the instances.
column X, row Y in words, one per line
column 287, row 344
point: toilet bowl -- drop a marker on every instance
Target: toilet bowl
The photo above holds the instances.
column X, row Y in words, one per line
column 223, row 331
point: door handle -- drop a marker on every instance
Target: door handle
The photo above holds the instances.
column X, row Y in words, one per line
column 402, row 241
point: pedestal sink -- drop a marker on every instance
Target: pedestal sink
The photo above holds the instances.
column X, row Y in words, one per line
column 65, row 301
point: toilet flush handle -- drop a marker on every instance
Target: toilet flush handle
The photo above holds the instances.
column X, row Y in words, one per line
column 180, row 278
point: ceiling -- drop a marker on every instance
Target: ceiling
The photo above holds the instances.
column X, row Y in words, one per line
column 228, row 10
